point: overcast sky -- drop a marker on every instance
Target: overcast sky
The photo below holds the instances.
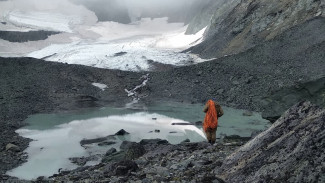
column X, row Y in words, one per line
column 118, row 9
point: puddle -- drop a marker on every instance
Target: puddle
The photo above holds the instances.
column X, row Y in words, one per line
column 56, row 137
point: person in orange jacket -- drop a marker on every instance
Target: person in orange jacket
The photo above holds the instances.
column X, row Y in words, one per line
column 213, row 111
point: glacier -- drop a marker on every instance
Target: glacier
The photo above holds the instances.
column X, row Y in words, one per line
column 83, row 40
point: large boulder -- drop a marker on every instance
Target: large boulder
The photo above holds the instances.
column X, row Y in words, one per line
column 291, row 150
column 132, row 150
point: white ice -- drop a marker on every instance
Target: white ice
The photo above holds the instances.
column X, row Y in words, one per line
column 87, row 42
column 55, row 22
column 149, row 40
column 59, row 15
column 50, row 149
column 100, row 86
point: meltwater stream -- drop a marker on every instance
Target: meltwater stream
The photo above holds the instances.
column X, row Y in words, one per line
column 56, row 137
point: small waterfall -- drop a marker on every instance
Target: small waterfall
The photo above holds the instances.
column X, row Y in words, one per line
column 134, row 93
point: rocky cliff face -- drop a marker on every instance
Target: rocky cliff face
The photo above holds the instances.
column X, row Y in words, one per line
column 291, row 150
column 208, row 11
column 234, row 29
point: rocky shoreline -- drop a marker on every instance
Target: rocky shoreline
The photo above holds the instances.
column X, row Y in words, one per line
column 291, row 150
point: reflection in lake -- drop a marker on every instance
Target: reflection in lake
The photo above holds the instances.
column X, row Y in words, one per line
column 56, row 137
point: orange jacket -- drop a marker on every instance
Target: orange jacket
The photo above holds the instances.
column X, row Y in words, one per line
column 211, row 116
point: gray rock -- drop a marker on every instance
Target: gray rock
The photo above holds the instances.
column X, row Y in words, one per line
column 120, row 54
column 122, row 132
column 291, row 147
column 110, row 151
column 132, row 150
column 124, row 167
column 12, row 147
column 153, row 141
column 107, row 143
column 83, row 160
column 92, row 141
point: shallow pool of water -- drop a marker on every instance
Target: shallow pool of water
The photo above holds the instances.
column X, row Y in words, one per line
column 56, row 137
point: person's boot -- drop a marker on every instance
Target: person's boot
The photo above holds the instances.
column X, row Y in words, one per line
column 210, row 141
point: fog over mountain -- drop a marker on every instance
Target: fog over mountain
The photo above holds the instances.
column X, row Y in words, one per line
column 126, row 11
column 122, row 11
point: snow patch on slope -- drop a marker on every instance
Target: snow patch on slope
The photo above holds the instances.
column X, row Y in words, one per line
column 100, row 86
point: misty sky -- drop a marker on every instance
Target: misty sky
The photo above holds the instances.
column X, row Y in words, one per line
column 124, row 11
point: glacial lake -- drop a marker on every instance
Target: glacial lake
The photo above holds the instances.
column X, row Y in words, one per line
column 56, row 137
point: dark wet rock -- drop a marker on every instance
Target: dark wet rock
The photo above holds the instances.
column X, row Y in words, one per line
column 199, row 123
column 110, row 151
column 270, row 117
column 153, row 141
column 120, row 54
column 186, row 141
column 81, row 161
column 15, row 36
column 132, row 150
column 182, row 124
column 92, row 141
column 212, row 179
column 290, row 148
column 125, row 167
column 122, row 132
column 157, row 131
column 107, row 143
